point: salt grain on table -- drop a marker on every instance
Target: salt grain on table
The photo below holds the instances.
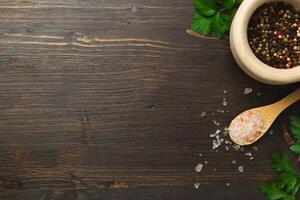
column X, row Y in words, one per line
column 196, row 185
column 216, row 123
column 241, row 169
column 248, row 154
column 224, row 103
column 220, row 111
column 203, row 114
column 258, row 94
column 228, row 142
column 228, row 184
column 199, row 167
column 216, row 133
column 233, row 162
column 248, row 90
column 255, row 148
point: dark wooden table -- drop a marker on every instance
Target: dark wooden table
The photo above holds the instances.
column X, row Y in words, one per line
column 102, row 99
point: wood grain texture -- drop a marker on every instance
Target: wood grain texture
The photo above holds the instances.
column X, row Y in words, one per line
column 102, row 99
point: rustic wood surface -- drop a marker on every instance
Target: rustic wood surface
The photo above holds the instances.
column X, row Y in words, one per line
column 101, row 99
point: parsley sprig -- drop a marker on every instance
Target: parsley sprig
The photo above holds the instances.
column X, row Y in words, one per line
column 214, row 16
column 287, row 185
column 288, row 182
column 295, row 129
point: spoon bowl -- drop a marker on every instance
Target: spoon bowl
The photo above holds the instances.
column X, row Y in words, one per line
column 267, row 114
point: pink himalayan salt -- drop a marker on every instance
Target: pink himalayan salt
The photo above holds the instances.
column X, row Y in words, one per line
column 247, row 127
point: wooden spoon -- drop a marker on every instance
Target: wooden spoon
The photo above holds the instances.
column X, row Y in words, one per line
column 268, row 113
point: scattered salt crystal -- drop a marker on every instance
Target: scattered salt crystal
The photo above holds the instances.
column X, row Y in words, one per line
column 271, row 132
column 236, row 147
column 225, row 132
column 199, row 167
column 200, row 154
column 225, row 91
column 255, row 148
column 203, row 114
column 233, row 162
column 246, row 127
column 251, row 158
column 228, row 142
column 220, row 111
column 196, row 185
column 224, row 103
column 217, row 142
column 227, row 148
column 248, row 90
column 258, row 94
column 216, row 123
column 228, row 184
column 215, row 134
column 241, row 169
column 206, row 162
column 248, row 154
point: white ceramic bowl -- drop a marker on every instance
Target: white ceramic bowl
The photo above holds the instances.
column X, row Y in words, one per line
column 244, row 55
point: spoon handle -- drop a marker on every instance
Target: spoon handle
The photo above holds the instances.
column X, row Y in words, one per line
column 272, row 111
column 287, row 101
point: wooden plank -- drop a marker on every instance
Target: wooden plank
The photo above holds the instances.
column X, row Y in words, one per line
column 103, row 100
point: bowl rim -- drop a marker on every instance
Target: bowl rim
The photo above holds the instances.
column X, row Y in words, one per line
column 245, row 56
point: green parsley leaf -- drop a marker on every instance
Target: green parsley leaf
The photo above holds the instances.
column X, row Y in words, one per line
column 295, row 121
column 202, row 24
column 295, row 128
column 219, row 25
column 281, row 163
column 228, row 17
column 287, row 185
column 227, row 3
column 205, row 7
column 295, row 148
column 273, row 192
column 289, row 182
column 296, row 132
column 214, row 16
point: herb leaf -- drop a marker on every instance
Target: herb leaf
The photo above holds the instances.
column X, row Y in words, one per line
column 295, row 127
column 273, row 192
column 287, row 185
column 295, row 121
column 295, row 148
column 219, row 25
column 214, row 16
column 289, row 182
column 228, row 3
column 281, row 163
column 205, row 7
column 202, row 24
